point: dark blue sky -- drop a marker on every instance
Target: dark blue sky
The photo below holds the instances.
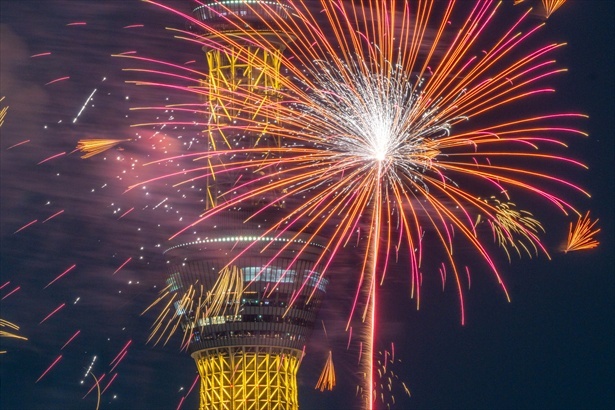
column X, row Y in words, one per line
column 550, row 348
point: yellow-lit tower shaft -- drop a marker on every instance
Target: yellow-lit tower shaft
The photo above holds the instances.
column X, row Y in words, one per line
column 248, row 351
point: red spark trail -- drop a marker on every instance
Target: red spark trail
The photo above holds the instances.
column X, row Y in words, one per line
column 41, row 54
column 134, row 26
column 2, row 287
column 18, row 144
column 51, row 157
column 122, row 265
column 193, row 384
column 71, row 339
column 94, row 385
column 52, row 313
column 109, row 384
column 118, row 362
column 121, row 351
column 53, row 216
column 126, row 213
column 49, row 368
column 80, row 23
column 11, row 292
column 60, row 275
column 25, row 226
column 58, row 79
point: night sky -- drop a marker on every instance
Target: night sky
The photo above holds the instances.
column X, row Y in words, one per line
column 550, row 348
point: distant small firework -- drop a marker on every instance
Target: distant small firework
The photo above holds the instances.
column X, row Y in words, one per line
column 3, row 110
column 551, row 6
column 95, row 146
column 581, row 235
column 326, row 381
column 9, row 333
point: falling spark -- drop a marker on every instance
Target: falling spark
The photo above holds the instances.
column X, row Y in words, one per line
column 122, row 265
column 71, row 339
column 85, row 104
column 49, row 368
column 52, row 313
column 18, row 144
column 109, row 384
column 53, row 216
column 57, row 80
column 60, row 275
column 25, row 226
column 51, row 157
column 41, row 54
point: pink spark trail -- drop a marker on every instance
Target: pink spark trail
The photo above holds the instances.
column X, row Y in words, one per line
column 51, row 157
column 134, row 26
column 71, row 339
column 121, row 351
column 18, row 144
column 58, row 79
column 109, row 384
column 122, row 265
column 53, row 216
column 60, row 275
column 49, row 368
column 52, row 313
column 100, row 379
column 126, row 213
column 25, row 226
column 41, row 54
column 11, row 292
column 80, row 23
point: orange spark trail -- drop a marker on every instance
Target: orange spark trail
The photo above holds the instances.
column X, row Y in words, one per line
column 109, row 384
column 126, row 213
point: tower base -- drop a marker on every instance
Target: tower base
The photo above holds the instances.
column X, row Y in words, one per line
column 248, row 377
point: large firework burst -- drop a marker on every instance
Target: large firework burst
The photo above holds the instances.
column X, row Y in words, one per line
column 393, row 119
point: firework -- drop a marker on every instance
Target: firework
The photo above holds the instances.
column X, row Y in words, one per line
column 389, row 128
column 551, row 6
column 3, row 111
column 327, row 376
column 95, row 146
column 581, row 236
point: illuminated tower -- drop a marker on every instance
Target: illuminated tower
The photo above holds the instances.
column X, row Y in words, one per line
column 248, row 302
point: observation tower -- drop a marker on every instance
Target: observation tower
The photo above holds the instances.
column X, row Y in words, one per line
column 246, row 302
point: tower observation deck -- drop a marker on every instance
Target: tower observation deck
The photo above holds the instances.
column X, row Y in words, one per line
column 248, row 301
